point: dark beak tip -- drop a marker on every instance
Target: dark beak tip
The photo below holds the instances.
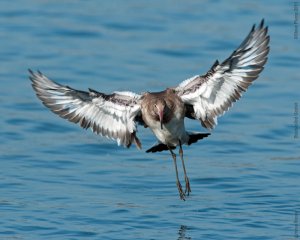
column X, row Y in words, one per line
column 161, row 125
column 161, row 120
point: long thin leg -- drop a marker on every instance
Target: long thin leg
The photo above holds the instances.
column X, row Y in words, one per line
column 181, row 193
column 187, row 181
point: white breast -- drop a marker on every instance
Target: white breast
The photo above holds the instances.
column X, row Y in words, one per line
column 173, row 131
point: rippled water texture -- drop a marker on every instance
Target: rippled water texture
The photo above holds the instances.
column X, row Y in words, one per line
column 58, row 181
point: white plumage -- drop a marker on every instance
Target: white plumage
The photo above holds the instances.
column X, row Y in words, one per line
column 111, row 116
column 212, row 94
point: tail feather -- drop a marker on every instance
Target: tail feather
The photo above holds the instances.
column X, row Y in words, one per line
column 194, row 137
column 159, row 147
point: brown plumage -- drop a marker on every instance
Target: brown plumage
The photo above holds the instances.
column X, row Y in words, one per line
column 163, row 102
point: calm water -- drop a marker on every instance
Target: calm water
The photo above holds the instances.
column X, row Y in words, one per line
column 60, row 182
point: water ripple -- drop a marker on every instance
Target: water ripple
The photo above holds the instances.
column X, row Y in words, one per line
column 58, row 181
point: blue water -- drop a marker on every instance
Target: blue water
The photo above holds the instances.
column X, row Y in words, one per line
column 58, row 181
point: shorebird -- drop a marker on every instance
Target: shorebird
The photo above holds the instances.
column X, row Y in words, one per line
column 202, row 97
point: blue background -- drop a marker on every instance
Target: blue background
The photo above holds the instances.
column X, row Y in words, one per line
column 58, row 181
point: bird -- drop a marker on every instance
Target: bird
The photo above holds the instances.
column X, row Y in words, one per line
column 202, row 97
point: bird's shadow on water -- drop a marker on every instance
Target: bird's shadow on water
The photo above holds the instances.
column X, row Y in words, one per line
column 182, row 232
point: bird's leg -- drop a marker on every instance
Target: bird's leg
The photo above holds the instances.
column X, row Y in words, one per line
column 181, row 193
column 187, row 181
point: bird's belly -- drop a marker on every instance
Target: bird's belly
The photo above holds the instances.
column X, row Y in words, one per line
column 171, row 132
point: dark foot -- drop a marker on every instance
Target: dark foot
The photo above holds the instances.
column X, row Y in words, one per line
column 181, row 193
column 187, row 186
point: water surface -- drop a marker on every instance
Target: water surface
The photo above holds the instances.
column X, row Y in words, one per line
column 58, row 181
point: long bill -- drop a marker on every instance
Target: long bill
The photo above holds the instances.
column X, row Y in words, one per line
column 161, row 118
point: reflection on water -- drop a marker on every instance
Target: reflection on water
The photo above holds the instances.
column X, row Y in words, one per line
column 183, row 233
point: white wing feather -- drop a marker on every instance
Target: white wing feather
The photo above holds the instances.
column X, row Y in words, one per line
column 212, row 94
column 112, row 116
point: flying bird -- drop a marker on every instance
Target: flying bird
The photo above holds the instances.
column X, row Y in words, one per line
column 202, row 97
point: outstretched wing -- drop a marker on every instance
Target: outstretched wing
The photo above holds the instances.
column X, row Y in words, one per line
column 112, row 116
column 209, row 96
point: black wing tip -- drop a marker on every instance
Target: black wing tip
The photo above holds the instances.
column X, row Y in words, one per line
column 33, row 77
column 260, row 26
column 33, row 74
column 262, row 22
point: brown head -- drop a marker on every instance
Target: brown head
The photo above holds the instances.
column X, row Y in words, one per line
column 159, row 106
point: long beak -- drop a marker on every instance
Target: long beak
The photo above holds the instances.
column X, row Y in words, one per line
column 161, row 118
